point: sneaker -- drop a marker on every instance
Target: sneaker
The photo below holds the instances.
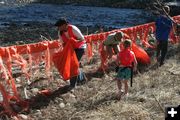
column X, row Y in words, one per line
column 83, row 81
column 161, row 63
column 125, row 96
column 120, row 94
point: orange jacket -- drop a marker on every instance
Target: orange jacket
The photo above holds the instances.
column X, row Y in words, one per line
column 126, row 57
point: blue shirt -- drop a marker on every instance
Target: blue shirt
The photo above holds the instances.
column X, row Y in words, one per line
column 163, row 28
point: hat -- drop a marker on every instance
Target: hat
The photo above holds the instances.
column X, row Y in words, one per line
column 120, row 34
column 61, row 21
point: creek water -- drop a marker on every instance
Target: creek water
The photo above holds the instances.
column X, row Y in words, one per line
column 78, row 15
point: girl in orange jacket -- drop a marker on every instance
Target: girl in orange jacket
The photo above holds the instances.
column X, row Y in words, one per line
column 126, row 61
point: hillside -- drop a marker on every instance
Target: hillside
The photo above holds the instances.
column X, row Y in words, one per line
column 153, row 89
column 95, row 100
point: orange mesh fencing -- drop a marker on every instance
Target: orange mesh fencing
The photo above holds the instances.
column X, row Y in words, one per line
column 26, row 57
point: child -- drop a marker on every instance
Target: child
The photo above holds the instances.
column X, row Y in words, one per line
column 126, row 60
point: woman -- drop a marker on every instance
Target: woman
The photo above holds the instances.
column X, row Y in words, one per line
column 71, row 32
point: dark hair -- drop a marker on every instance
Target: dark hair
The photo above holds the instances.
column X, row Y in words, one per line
column 120, row 34
column 127, row 43
column 61, row 22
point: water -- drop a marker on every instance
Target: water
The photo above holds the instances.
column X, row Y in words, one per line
column 175, row 3
column 79, row 15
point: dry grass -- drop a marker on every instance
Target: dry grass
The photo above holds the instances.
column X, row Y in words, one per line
column 153, row 88
column 96, row 100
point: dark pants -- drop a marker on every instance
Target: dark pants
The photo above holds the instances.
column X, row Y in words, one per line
column 80, row 77
column 162, row 48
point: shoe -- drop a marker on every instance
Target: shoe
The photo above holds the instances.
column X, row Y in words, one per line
column 69, row 88
column 80, row 82
column 125, row 96
column 161, row 63
column 120, row 94
column 83, row 81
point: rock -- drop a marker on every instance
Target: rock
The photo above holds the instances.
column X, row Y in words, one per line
column 38, row 113
column 142, row 99
column 77, row 118
column 14, row 118
column 69, row 98
column 68, row 104
column 72, row 96
column 18, row 85
column 35, row 90
column 18, row 80
column 58, row 100
column 24, row 117
column 61, row 105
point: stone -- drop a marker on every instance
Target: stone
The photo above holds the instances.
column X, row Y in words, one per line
column 35, row 90
column 24, row 117
column 38, row 112
column 69, row 98
column 62, row 105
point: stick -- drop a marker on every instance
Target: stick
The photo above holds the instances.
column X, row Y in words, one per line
column 87, row 31
column 43, row 37
column 159, row 103
column 162, row 8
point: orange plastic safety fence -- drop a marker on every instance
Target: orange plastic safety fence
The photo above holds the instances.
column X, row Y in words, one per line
column 5, row 100
column 29, row 55
column 140, row 32
column 22, row 57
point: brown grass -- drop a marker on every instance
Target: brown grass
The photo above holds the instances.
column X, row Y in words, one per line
column 152, row 90
column 96, row 100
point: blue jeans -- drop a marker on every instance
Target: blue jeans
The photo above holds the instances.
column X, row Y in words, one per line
column 80, row 77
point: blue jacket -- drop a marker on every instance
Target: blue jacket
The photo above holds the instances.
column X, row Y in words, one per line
column 163, row 28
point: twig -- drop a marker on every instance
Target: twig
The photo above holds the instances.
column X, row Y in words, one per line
column 49, row 36
column 159, row 103
column 76, row 114
column 87, row 31
column 43, row 37
column 162, row 8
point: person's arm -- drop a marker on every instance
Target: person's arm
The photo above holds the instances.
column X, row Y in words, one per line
column 60, row 38
column 77, row 33
column 117, row 60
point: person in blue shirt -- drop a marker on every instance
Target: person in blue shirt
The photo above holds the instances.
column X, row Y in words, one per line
column 163, row 28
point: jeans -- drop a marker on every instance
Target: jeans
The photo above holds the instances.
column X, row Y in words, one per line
column 162, row 48
column 80, row 77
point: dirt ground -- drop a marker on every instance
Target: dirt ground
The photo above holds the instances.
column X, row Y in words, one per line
column 153, row 88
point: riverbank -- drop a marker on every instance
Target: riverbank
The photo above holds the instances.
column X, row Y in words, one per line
column 129, row 4
column 33, row 32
